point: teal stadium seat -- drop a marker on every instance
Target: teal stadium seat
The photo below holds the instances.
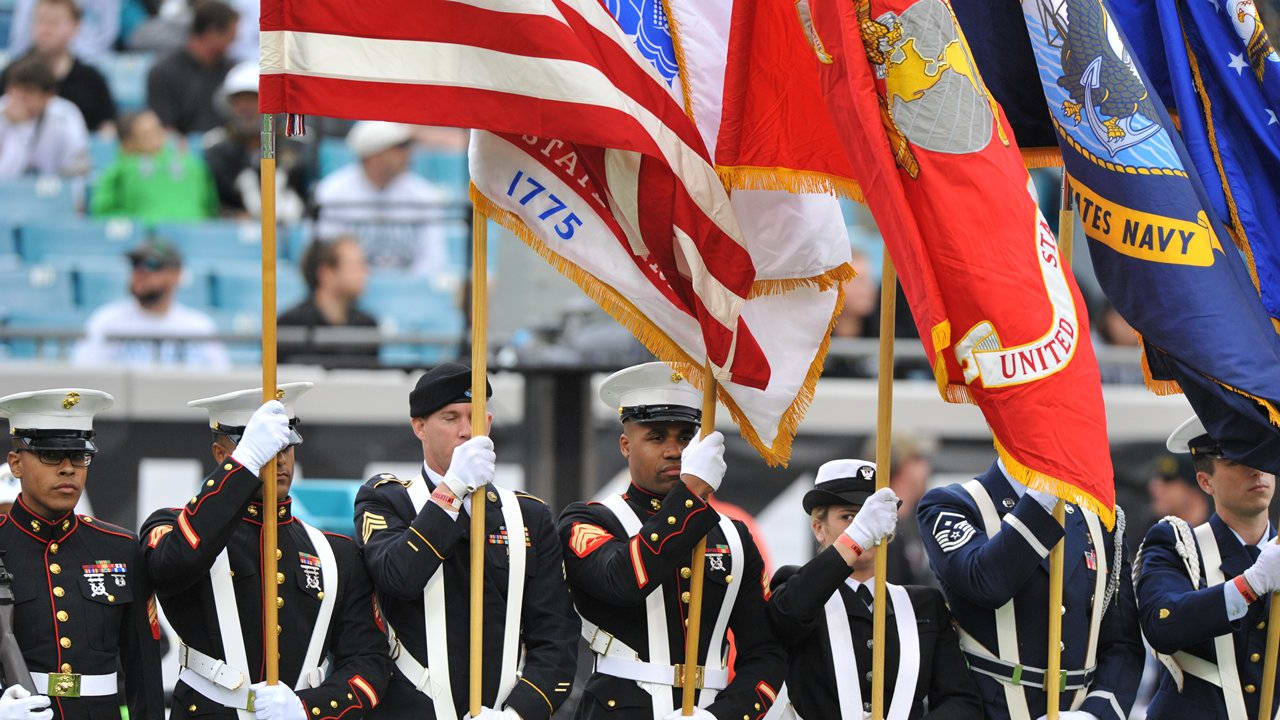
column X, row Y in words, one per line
column 445, row 168
column 238, row 288
column 36, row 199
column 36, row 288
column 126, row 75
column 32, row 349
column 408, row 304
column 215, row 241
column 325, row 504
column 100, row 283
column 79, row 239
column 102, row 152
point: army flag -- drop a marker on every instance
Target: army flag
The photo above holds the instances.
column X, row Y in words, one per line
column 999, row 313
column 1215, row 65
column 555, row 69
column 798, row 244
column 1155, row 240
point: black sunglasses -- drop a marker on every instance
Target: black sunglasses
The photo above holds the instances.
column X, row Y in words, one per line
column 78, row 458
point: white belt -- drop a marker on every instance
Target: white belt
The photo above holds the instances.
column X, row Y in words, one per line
column 63, row 684
column 413, row 670
column 211, row 669
column 225, row 685
column 616, row 658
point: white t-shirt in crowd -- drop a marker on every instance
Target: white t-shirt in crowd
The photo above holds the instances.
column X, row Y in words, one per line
column 399, row 226
column 126, row 316
column 56, row 143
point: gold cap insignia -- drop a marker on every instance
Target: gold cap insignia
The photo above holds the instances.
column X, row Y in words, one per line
column 279, row 394
column 676, row 377
column 71, row 400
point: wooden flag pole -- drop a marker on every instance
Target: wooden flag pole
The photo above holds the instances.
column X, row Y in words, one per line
column 884, row 436
column 1053, row 668
column 479, row 426
column 1266, row 702
column 689, row 684
column 267, row 180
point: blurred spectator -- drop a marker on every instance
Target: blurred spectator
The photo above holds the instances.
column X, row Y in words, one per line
column 152, row 310
column 336, row 273
column 861, row 295
column 40, row 133
column 910, row 467
column 1174, row 491
column 234, row 153
column 97, row 27
column 181, row 86
column 56, row 23
column 1113, row 328
column 152, row 180
column 396, row 214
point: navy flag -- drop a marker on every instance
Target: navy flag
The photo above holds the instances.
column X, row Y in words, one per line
column 1154, row 237
column 1214, row 64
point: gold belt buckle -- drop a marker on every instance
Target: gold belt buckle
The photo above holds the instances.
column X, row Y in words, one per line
column 698, row 679
column 64, row 685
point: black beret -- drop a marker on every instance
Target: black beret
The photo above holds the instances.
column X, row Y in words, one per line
column 444, row 384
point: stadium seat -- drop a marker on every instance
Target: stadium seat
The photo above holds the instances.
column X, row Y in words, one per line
column 102, row 152
column 215, row 241
column 99, row 283
column 32, row 349
column 333, row 154
column 36, row 288
column 50, row 240
column 36, row 199
column 407, row 304
column 238, row 289
column 127, row 77
column 445, row 168
column 325, row 504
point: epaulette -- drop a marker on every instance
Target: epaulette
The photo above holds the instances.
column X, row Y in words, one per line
column 384, row 478
column 521, row 493
column 106, row 527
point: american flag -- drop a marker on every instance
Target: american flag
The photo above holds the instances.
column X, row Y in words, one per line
column 546, row 69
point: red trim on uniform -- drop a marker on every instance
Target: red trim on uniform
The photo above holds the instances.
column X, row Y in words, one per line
column 157, row 532
column 153, row 617
column 53, row 606
column 363, row 686
column 637, row 565
column 764, row 584
column 97, row 525
column 377, row 614
column 767, row 691
column 188, row 532
column 586, row 538
column 218, row 488
column 683, row 526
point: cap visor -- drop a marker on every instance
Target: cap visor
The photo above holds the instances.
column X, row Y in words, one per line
column 821, row 498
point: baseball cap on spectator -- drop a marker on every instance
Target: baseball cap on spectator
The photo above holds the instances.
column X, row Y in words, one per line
column 370, row 137
column 242, row 78
column 155, row 254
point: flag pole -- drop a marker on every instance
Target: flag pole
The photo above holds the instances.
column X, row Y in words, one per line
column 689, row 677
column 884, row 430
column 479, row 426
column 1265, row 703
column 1053, row 668
column 267, row 181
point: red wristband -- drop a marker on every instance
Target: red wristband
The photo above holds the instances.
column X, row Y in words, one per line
column 848, row 542
column 1245, row 589
column 447, row 500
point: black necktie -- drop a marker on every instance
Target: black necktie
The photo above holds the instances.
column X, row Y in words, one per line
column 1253, row 551
column 864, row 594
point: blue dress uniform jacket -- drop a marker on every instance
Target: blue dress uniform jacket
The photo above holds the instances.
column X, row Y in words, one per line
column 1176, row 617
column 610, row 576
column 403, row 549
column 980, row 574
column 181, row 545
column 81, row 601
column 796, row 609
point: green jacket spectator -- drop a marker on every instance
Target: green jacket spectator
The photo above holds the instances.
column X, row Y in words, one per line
column 151, row 180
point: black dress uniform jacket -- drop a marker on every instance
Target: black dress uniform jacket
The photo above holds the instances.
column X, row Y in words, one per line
column 979, row 574
column 182, row 544
column 797, row 612
column 81, row 601
column 610, row 577
column 1176, row 617
column 403, row 549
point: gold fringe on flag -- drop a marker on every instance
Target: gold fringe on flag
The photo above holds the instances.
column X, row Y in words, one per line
column 1037, row 480
column 1171, row 387
column 662, row 346
column 747, row 177
column 677, row 45
column 823, row 281
column 1041, row 157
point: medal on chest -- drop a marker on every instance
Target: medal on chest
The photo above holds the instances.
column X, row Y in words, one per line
column 716, row 556
column 310, row 565
column 102, row 572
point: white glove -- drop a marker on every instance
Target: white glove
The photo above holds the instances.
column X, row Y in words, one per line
column 876, row 520
column 473, row 465
column 264, row 437
column 18, row 704
column 1072, row 715
column 703, row 458
column 491, row 714
column 1264, row 576
column 276, row 702
column 698, row 714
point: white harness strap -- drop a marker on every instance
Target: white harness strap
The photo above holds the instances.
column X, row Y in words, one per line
column 843, row 659
column 737, row 559
column 311, row 674
column 1228, row 677
column 433, row 680
column 513, row 519
column 1006, row 622
column 1099, row 593
column 224, row 601
column 656, row 615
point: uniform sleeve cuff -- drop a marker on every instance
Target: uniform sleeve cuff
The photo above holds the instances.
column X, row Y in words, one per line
column 1037, row 527
column 1237, row 606
column 526, row 701
column 1103, row 705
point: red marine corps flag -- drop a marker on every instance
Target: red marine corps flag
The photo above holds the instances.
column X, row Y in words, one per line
column 897, row 102
column 539, row 73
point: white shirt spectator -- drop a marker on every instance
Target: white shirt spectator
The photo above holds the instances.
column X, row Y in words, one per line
column 56, row 143
column 99, row 27
column 126, row 317
column 400, row 226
